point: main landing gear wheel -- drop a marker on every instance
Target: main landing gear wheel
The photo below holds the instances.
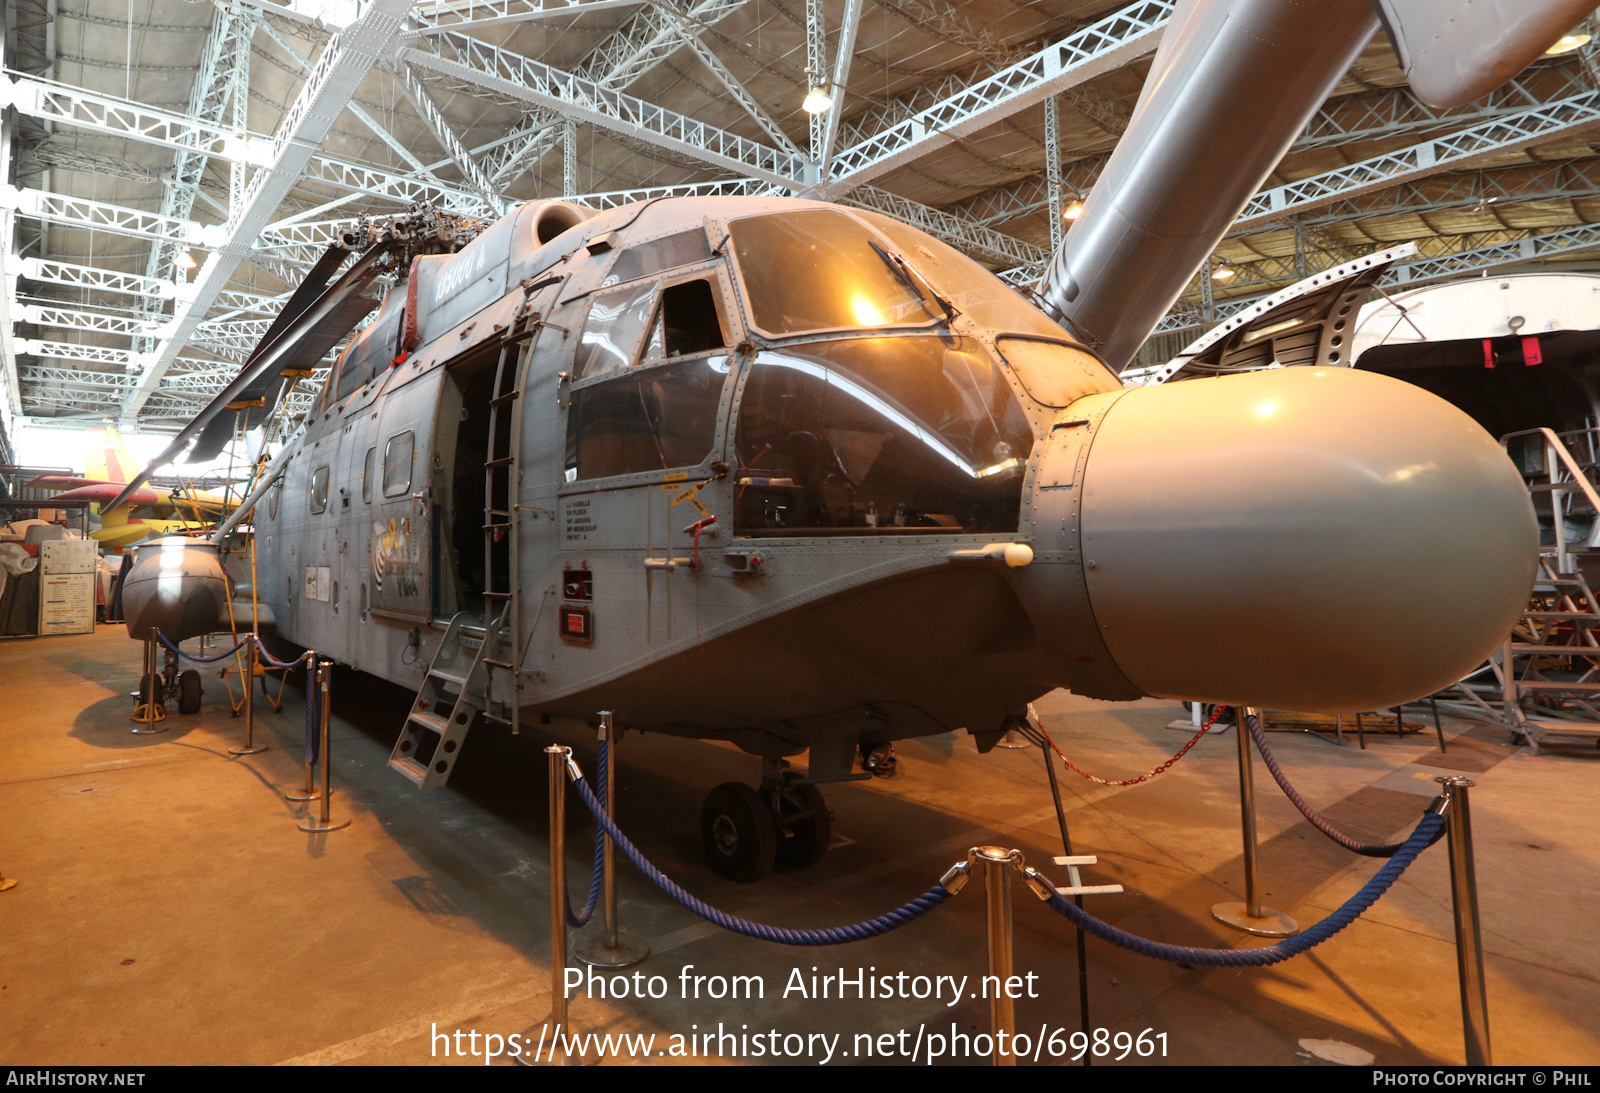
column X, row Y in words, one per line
column 189, row 692
column 738, row 831
column 805, row 826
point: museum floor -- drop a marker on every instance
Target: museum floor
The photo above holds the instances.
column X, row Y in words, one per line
column 169, row 911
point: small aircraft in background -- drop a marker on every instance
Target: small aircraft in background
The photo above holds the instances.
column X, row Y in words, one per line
column 108, row 466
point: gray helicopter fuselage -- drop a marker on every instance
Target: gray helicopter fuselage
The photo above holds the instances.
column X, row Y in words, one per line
column 833, row 592
column 787, row 472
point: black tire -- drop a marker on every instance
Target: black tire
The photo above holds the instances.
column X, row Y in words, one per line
column 806, row 839
column 738, row 832
column 189, row 692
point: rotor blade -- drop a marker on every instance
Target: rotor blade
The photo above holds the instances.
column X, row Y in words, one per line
column 281, row 354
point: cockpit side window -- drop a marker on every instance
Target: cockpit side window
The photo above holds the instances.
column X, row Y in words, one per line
column 658, row 255
column 879, row 436
column 686, row 322
column 611, row 333
column 651, row 419
column 818, row 269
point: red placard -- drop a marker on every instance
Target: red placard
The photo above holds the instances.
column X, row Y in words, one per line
column 576, row 625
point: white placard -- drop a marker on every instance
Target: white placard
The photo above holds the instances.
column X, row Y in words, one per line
column 66, row 586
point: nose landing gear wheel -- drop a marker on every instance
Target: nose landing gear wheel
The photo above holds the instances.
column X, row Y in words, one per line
column 738, row 831
column 189, row 692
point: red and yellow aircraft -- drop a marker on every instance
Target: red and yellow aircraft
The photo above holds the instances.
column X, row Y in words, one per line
column 108, row 466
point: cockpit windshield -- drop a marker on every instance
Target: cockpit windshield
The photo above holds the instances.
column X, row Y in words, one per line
column 818, row 269
column 879, row 436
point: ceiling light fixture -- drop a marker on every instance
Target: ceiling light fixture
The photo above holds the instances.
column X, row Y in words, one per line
column 1568, row 42
column 817, row 102
column 1222, row 273
column 185, row 260
column 1073, row 210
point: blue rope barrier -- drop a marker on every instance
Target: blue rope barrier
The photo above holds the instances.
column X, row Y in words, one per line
column 1426, row 834
column 272, row 662
column 832, row 935
column 597, row 877
column 1370, row 850
column 313, row 715
column 200, row 660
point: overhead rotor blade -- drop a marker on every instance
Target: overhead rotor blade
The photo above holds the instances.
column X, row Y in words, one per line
column 280, row 354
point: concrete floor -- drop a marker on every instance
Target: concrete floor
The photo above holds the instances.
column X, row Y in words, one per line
column 169, row 911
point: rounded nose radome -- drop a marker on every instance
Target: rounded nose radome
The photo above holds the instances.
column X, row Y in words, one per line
column 1302, row 538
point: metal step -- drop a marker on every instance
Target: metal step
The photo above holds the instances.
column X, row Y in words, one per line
column 1555, row 650
column 460, row 660
column 412, row 769
column 430, row 721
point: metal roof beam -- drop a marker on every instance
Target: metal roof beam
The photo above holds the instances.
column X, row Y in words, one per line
column 1453, row 151
column 81, row 212
column 585, row 100
column 849, row 24
column 344, row 62
column 150, row 125
column 644, row 41
column 1365, row 116
column 733, row 187
column 1101, row 47
column 433, row 118
column 469, row 15
column 713, row 64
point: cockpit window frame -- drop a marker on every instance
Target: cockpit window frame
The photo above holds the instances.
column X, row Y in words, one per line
column 723, row 229
column 728, row 314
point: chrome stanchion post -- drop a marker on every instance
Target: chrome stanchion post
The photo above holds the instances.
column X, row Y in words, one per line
column 249, row 747
column 152, row 686
column 613, row 949
column 1250, row 916
column 1469, row 937
column 557, row 756
column 998, row 863
column 325, row 680
column 556, row 1028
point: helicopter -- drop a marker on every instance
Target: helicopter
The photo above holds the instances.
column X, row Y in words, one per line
column 797, row 476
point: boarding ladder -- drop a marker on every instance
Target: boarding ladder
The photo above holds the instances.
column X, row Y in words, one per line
column 458, row 682
column 502, row 483
column 1548, row 670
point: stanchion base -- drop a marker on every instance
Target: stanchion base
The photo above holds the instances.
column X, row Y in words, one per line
column 592, row 950
column 533, row 1041
column 1271, row 923
column 7, row 883
column 317, row 826
column 303, row 795
column 247, row 751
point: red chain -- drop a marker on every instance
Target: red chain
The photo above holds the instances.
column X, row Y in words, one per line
column 1215, row 713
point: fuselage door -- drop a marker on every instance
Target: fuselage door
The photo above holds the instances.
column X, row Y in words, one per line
column 404, row 536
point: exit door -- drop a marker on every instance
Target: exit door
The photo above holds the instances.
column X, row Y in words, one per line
column 403, row 535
